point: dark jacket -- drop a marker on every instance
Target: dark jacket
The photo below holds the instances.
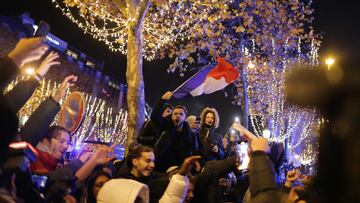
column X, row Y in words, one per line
column 8, row 119
column 149, row 134
column 263, row 186
column 207, row 139
column 39, row 121
column 173, row 146
column 21, row 93
column 8, row 71
column 207, row 182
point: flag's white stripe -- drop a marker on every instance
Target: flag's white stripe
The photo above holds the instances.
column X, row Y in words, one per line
column 209, row 86
column 197, row 91
column 212, row 85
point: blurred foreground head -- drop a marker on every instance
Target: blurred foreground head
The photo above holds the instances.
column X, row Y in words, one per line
column 336, row 93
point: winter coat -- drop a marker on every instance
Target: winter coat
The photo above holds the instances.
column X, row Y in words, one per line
column 122, row 190
column 21, row 93
column 176, row 190
column 149, row 134
column 156, row 182
column 39, row 121
column 8, row 119
column 8, row 71
column 208, row 138
column 263, row 186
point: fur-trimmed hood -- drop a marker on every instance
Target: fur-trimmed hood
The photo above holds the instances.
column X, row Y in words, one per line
column 214, row 112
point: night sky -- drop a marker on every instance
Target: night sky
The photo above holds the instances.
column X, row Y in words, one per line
column 336, row 21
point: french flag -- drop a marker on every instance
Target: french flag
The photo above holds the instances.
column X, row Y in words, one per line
column 208, row 80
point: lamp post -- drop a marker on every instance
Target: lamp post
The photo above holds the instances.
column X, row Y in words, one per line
column 329, row 62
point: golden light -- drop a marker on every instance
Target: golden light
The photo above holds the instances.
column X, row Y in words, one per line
column 251, row 65
column 30, row 71
column 330, row 61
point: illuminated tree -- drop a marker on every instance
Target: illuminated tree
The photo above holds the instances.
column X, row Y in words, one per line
column 138, row 28
column 265, row 39
column 194, row 33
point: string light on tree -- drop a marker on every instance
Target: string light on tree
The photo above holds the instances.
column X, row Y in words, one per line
column 108, row 21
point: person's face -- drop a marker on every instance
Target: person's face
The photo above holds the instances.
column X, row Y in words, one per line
column 145, row 164
column 178, row 116
column 225, row 142
column 60, row 144
column 166, row 112
column 99, row 182
column 209, row 119
column 190, row 193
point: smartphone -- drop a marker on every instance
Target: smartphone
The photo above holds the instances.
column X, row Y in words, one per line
column 39, row 181
column 42, row 30
column 119, row 152
column 242, row 154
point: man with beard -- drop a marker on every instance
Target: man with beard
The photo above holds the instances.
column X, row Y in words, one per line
column 175, row 142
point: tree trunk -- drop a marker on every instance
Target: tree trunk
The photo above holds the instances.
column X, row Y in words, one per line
column 134, row 73
column 135, row 82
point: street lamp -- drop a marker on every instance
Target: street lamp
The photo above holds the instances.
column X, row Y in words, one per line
column 329, row 62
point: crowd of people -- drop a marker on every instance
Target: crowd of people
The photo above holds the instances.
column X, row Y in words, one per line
column 178, row 158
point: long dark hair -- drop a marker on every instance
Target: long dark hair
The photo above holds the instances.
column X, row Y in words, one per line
column 90, row 184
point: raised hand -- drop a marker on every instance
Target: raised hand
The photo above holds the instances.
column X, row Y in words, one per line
column 291, row 177
column 101, row 155
column 49, row 61
column 260, row 144
column 167, row 95
column 28, row 50
column 61, row 91
column 243, row 131
column 188, row 164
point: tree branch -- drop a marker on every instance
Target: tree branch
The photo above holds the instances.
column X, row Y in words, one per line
column 143, row 8
column 122, row 5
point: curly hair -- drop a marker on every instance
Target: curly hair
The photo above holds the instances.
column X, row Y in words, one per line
column 214, row 112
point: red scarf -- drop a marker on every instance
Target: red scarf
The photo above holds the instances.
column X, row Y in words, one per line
column 45, row 163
